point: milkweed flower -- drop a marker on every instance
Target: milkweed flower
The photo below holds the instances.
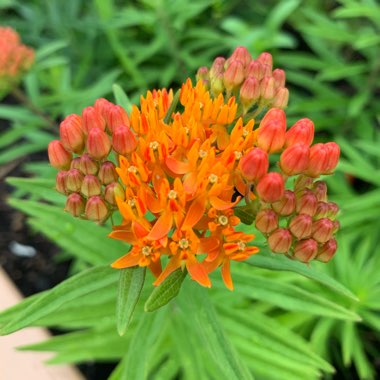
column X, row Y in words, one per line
column 15, row 59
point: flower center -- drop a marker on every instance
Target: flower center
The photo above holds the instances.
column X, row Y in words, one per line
column 223, row 220
column 212, row 178
column 245, row 132
column 237, row 154
column 241, row 246
column 154, row 145
column 132, row 202
column 146, row 251
column 202, row 153
column 172, row 194
column 184, row 243
column 132, row 169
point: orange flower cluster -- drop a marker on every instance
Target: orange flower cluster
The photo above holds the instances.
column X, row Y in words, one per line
column 181, row 182
column 252, row 82
column 87, row 177
column 15, row 59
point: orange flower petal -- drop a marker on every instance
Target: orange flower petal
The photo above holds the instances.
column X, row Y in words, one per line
column 126, row 261
column 226, row 275
column 173, row 264
column 219, row 204
column 177, row 167
column 198, row 273
column 195, row 212
column 162, row 227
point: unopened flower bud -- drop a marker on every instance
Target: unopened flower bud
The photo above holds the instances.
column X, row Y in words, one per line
column 255, row 69
column 305, row 250
column 266, row 221
column 266, row 59
column 286, row 205
column 59, row 157
column 318, row 160
column 117, row 116
column 102, row 105
column 217, row 84
column 280, row 240
column 96, row 209
column 74, row 180
column 300, row 226
column 60, row 182
column 307, row 203
column 75, row 204
column 249, row 92
column 91, row 119
column 323, row 230
column 98, row 144
column 123, row 140
column 279, row 78
column 217, row 67
column 107, row 173
column 234, row 74
column 88, row 165
column 333, row 157
column 267, row 89
column 242, row 54
column 302, row 182
column 71, row 133
column 281, row 98
column 203, row 75
column 267, row 72
column 336, row 226
column 333, row 210
column 254, row 164
column 271, row 132
column 320, row 190
column 322, row 210
column 75, row 163
column 327, row 251
column 271, row 188
column 112, row 191
column 91, row 186
column 302, row 132
column 294, row 159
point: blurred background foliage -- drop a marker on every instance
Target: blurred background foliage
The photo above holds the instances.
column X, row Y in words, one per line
column 330, row 51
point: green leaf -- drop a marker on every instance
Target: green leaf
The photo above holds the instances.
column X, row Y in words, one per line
column 131, row 282
column 122, row 98
column 280, row 263
column 73, row 288
column 164, row 293
column 245, row 214
column 172, row 107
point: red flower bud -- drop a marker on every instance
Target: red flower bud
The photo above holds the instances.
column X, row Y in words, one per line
column 271, row 187
column 279, row 78
column 112, row 191
column 117, row 116
column 98, row 144
column 123, row 140
column 302, row 132
column 217, row 67
column 305, row 250
column 322, row 210
column 60, row 182
column 74, row 180
column 266, row 221
column 107, row 173
column 266, row 59
column 280, row 240
column 300, row 226
column 336, row 226
column 102, row 105
column 59, row 157
column 249, row 92
column 242, row 54
column 96, row 209
column 88, row 165
column 75, row 204
column 333, row 157
column 281, row 98
column 75, row 163
column 271, row 132
column 203, row 75
column 91, row 119
column 254, row 164
column 234, row 74
column 255, row 69
column 286, row 205
column 91, row 186
column 327, row 251
column 333, row 210
column 320, row 190
column 302, row 182
column 318, row 160
column 307, row 203
column 323, row 230
column 294, row 159
column 71, row 133
column 267, row 90
column 217, row 84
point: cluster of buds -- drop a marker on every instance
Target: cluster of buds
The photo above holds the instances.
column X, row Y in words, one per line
column 15, row 59
column 299, row 223
column 87, row 176
column 252, row 81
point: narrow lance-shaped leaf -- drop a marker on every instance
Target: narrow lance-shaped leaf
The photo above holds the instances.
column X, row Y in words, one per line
column 166, row 291
column 131, row 282
column 122, row 98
